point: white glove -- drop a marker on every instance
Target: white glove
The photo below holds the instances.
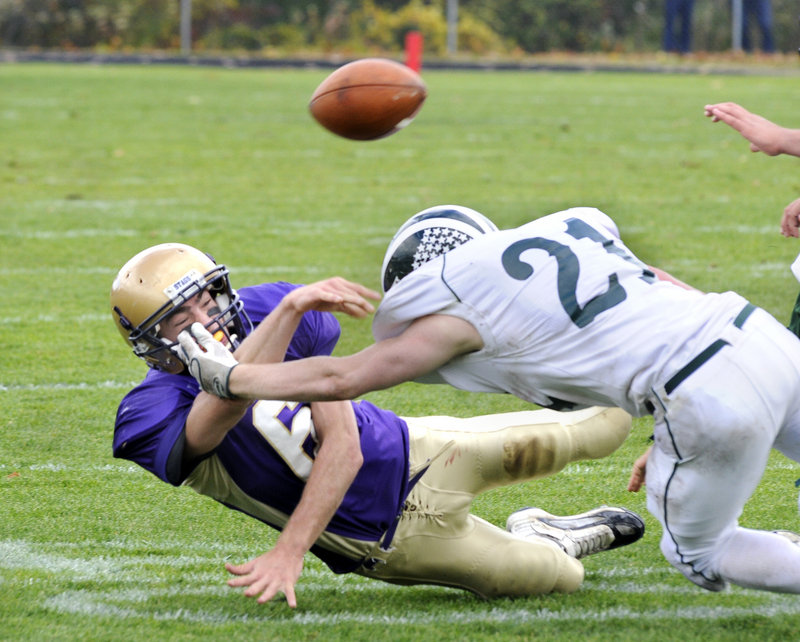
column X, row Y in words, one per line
column 208, row 360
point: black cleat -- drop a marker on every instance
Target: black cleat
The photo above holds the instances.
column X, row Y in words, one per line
column 592, row 532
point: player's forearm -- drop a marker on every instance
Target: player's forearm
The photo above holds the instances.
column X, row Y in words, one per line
column 790, row 142
column 209, row 421
column 310, row 518
column 427, row 345
column 269, row 341
column 311, row 379
column 335, row 467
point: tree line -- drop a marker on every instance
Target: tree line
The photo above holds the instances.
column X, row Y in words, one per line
column 369, row 26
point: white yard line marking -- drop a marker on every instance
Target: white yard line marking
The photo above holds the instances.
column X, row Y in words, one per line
column 35, row 387
column 54, row 318
column 86, row 602
column 245, row 269
column 148, row 598
column 44, row 235
column 65, row 468
column 571, row 469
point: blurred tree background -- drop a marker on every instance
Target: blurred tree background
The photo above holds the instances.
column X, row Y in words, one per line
column 502, row 27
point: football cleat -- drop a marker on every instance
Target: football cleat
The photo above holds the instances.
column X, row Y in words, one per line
column 592, row 532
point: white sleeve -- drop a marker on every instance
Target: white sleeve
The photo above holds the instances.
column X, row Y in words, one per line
column 419, row 294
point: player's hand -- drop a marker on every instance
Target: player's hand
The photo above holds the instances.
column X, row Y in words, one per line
column 763, row 135
column 639, row 471
column 209, row 361
column 790, row 221
column 333, row 295
column 268, row 574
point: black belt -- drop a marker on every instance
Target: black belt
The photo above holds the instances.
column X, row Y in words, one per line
column 678, row 378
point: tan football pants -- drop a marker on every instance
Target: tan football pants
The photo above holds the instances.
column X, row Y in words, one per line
column 438, row 541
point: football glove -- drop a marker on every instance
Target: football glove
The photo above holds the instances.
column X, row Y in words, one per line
column 209, row 361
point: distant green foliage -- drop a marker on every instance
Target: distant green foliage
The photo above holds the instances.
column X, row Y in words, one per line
column 485, row 26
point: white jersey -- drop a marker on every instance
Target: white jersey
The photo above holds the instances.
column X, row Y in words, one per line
column 568, row 315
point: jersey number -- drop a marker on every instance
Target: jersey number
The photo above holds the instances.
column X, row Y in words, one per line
column 569, row 269
column 287, row 428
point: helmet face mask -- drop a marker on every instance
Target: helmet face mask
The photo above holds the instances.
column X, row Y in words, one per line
column 155, row 283
column 427, row 235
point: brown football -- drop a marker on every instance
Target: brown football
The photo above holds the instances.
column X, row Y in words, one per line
column 368, row 99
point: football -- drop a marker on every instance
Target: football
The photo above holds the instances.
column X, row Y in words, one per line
column 368, row 99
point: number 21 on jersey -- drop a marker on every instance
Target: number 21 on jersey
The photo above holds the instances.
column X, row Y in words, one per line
column 569, row 269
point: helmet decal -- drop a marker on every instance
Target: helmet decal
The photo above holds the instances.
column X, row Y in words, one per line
column 427, row 235
column 175, row 291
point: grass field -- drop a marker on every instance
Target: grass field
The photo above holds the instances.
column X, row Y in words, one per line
column 98, row 162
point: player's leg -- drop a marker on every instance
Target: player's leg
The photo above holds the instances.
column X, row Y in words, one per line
column 764, row 19
column 697, row 504
column 438, row 542
column 493, row 450
column 712, row 445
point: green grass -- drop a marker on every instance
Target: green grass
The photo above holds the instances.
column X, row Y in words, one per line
column 97, row 163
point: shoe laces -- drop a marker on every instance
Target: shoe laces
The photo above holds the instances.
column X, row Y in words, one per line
column 589, row 542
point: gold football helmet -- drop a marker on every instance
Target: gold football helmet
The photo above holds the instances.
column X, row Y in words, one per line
column 155, row 283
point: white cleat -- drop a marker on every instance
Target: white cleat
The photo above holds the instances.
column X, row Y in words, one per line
column 597, row 530
column 793, row 537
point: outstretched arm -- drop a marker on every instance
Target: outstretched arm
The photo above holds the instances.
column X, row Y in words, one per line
column 764, row 135
column 427, row 344
column 335, row 467
column 211, row 417
column 269, row 341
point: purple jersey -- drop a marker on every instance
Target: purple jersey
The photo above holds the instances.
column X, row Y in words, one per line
column 267, row 455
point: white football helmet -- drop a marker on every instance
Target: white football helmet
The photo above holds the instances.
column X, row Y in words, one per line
column 428, row 234
column 155, row 283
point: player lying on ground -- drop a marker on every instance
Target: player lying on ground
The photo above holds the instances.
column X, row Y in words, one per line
column 365, row 490
column 561, row 313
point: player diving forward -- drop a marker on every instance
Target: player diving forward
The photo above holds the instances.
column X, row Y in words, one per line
column 561, row 313
column 363, row 489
